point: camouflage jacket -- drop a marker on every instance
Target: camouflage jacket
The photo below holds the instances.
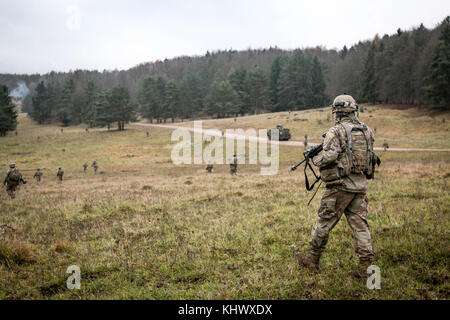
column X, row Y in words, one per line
column 7, row 180
column 37, row 174
column 334, row 148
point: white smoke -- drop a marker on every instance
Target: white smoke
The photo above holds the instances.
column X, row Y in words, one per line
column 21, row 91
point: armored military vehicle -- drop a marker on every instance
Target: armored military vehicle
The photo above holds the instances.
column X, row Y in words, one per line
column 284, row 133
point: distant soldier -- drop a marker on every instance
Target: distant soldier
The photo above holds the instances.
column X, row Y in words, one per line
column 385, row 145
column 60, row 174
column 95, row 166
column 12, row 180
column 87, row 130
column 16, row 133
column 62, row 130
column 233, row 165
column 375, row 129
column 63, row 149
column 38, row 175
column 305, row 143
column 85, row 165
column 38, row 138
column 209, row 167
column 148, row 134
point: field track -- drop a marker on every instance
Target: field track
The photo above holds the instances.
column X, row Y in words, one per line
column 283, row 143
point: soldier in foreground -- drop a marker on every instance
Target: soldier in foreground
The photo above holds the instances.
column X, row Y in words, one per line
column 60, row 174
column 233, row 166
column 209, row 167
column 344, row 170
column 38, row 175
column 85, row 165
column 95, row 166
column 12, row 180
column 385, row 145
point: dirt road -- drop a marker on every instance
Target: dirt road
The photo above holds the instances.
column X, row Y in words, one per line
column 263, row 139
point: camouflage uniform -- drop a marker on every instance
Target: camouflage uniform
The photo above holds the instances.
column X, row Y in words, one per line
column 233, row 166
column 95, row 166
column 344, row 195
column 11, row 184
column 209, row 167
column 60, row 174
column 85, row 165
column 38, row 175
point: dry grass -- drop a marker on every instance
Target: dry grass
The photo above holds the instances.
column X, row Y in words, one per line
column 145, row 228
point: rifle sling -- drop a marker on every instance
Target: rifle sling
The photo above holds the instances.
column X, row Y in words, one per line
column 308, row 186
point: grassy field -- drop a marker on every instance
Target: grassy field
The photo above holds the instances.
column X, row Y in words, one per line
column 143, row 228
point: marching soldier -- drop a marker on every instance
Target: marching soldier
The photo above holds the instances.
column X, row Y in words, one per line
column 385, row 145
column 12, row 180
column 233, row 166
column 209, row 167
column 95, row 166
column 38, row 175
column 60, row 174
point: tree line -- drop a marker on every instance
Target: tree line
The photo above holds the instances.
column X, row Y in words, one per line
column 73, row 103
column 408, row 67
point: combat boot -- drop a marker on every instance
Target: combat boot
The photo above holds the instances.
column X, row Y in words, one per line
column 310, row 261
column 361, row 272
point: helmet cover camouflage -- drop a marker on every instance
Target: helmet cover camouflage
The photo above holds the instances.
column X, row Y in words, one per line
column 344, row 103
column 12, row 165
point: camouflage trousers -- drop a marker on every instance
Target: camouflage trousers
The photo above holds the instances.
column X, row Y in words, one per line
column 11, row 190
column 334, row 203
column 233, row 169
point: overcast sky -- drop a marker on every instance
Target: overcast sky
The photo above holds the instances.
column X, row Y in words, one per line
column 38, row 36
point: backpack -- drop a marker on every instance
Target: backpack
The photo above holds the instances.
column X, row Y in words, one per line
column 14, row 176
column 359, row 150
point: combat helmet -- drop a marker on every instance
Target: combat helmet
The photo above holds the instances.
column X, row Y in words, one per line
column 12, row 165
column 344, row 103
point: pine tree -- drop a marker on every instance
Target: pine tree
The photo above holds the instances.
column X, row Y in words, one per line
column 437, row 90
column 295, row 86
column 370, row 82
column 8, row 113
column 42, row 110
column 88, row 110
column 222, row 100
column 146, row 98
column 239, row 81
column 103, row 114
column 318, row 84
column 258, row 93
column 122, row 108
column 274, row 85
column 160, row 98
column 172, row 100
